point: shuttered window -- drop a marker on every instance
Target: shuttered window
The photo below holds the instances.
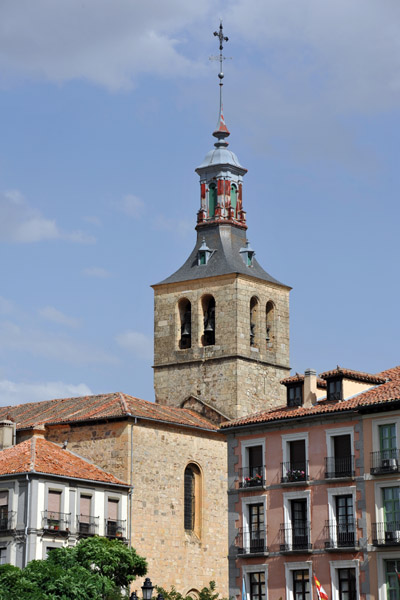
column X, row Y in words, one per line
column 112, row 510
column 189, row 499
column 54, row 502
column 85, row 502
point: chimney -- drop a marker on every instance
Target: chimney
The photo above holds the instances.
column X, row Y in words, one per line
column 7, row 434
column 310, row 388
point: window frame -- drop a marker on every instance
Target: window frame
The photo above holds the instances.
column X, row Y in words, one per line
column 339, row 393
column 245, row 444
column 294, row 437
column 197, row 515
column 335, row 565
column 247, row 570
column 246, row 502
column 287, row 510
column 332, row 516
column 297, row 566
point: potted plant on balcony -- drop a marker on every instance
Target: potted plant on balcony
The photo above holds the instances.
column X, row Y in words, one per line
column 296, row 475
column 253, row 481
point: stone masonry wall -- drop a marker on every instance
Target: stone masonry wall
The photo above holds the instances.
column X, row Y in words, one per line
column 161, row 454
column 231, row 375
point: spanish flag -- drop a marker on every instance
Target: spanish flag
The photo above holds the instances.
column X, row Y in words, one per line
column 321, row 593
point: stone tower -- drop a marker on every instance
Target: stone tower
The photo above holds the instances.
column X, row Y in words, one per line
column 221, row 323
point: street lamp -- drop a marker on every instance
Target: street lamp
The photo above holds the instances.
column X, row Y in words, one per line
column 147, row 589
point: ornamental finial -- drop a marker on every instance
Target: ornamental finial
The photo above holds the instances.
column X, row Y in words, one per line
column 221, row 131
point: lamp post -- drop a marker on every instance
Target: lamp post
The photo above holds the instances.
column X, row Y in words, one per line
column 147, row 591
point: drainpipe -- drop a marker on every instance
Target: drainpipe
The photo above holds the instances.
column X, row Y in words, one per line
column 131, row 488
column 28, row 517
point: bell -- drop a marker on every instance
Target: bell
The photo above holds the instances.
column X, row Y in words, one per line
column 209, row 328
column 185, row 330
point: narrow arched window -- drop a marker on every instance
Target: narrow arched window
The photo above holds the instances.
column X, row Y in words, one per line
column 212, row 199
column 234, row 198
column 270, row 324
column 253, row 321
column 208, row 307
column 192, row 499
column 185, row 323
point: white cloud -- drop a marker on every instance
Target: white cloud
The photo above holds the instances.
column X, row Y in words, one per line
column 108, row 43
column 6, row 306
column 20, row 223
column 98, row 272
column 131, row 205
column 56, row 316
column 12, row 393
column 38, row 343
column 138, row 343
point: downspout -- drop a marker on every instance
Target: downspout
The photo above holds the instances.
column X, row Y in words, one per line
column 131, row 488
column 28, row 518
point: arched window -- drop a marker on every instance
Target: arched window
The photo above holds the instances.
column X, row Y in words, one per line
column 234, row 198
column 192, row 499
column 185, row 323
column 208, row 307
column 212, row 199
column 254, row 322
column 270, row 324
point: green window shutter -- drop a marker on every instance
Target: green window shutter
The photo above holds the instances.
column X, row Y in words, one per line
column 391, row 506
column 212, row 199
column 387, row 439
column 233, row 197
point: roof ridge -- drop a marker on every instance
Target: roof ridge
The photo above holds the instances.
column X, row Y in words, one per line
column 123, row 402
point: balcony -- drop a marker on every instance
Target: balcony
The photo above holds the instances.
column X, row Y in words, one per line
column 340, row 536
column 295, row 538
column 56, row 522
column 7, row 520
column 115, row 529
column 336, row 468
column 87, row 525
column 250, row 477
column 386, row 534
column 250, row 542
column 385, row 462
column 294, row 472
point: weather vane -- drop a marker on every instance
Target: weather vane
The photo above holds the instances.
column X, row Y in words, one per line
column 222, row 38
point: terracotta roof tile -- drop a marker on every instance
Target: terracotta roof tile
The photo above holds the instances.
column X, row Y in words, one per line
column 297, row 378
column 102, row 406
column 38, row 455
column 355, row 375
column 380, row 394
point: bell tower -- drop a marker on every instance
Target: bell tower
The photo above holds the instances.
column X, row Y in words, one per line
column 221, row 323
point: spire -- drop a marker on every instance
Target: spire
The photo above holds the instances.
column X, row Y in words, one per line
column 221, row 131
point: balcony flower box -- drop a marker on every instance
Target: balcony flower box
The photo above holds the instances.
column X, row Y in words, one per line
column 296, row 475
column 253, row 481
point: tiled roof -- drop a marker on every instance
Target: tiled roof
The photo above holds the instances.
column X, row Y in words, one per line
column 380, row 394
column 297, row 378
column 38, row 455
column 103, row 406
column 355, row 375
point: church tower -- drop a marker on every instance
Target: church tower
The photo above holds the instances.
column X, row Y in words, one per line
column 221, row 323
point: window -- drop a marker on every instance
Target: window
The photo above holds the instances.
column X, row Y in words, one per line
column 388, row 445
column 269, row 324
column 4, row 515
column 301, row 584
column 234, row 198
column 335, row 389
column 3, row 556
column 84, row 523
column 295, row 457
column 385, row 458
column 212, row 199
column 295, row 532
column 112, row 524
column 192, row 499
column 252, row 472
column 347, row 584
column 340, row 459
column 342, row 522
column 208, row 306
column 253, row 322
column 295, row 395
column 391, row 510
column 257, row 585
column 392, row 567
column 256, row 527
column 54, row 517
column 185, row 322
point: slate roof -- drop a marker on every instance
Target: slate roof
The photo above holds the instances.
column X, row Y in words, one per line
column 38, row 455
column 377, row 395
column 102, row 406
column 226, row 241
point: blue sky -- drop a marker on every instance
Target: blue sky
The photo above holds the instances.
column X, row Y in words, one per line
column 106, row 110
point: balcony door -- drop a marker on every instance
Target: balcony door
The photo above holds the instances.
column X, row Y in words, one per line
column 299, row 524
column 344, row 520
column 343, row 455
column 255, row 460
column 256, row 527
column 387, row 443
column 297, row 455
column 391, row 508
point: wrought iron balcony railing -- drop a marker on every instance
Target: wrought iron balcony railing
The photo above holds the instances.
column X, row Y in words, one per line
column 293, row 471
column 251, row 477
column 295, row 537
column 87, row 525
column 340, row 534
column 386, row 534
column 56, row 521
column 339, row 467
column 115, row 528
column 7, row 520
column 251, row 541
column 385, row 462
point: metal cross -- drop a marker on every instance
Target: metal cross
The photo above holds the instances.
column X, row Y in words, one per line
column 222, row 38
column 220, row 34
